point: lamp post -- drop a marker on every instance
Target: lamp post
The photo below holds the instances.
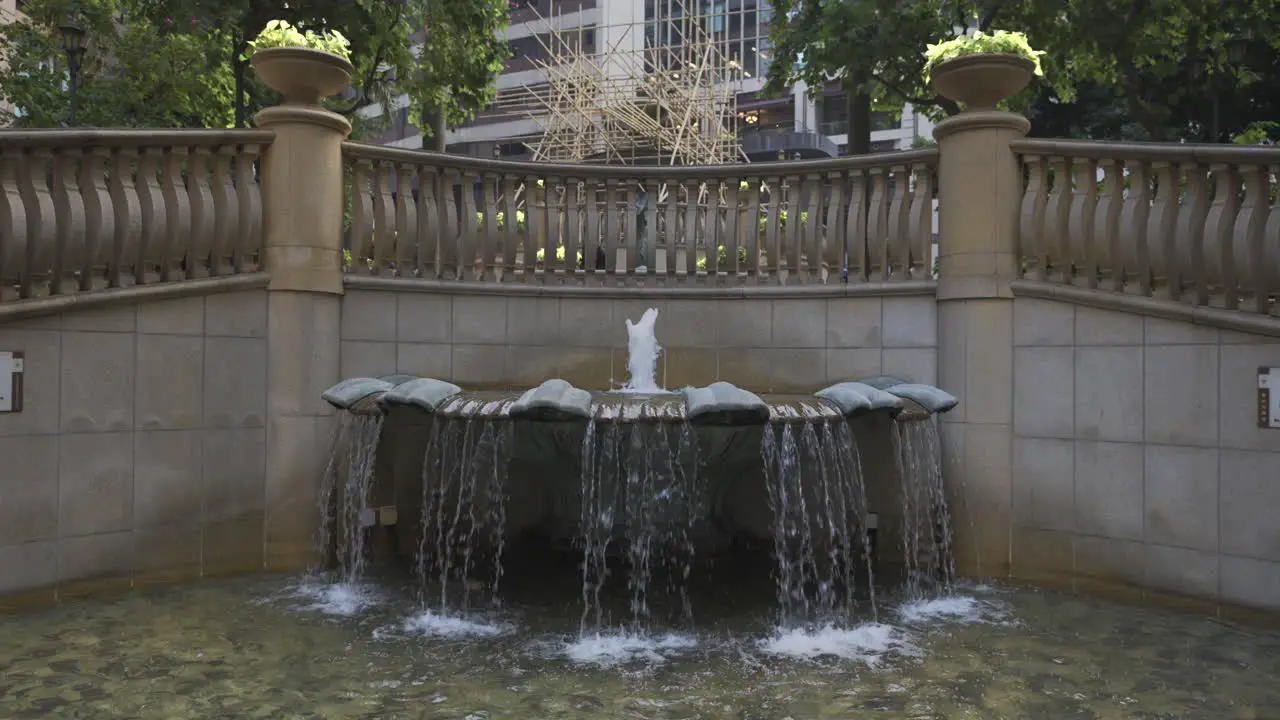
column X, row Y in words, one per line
column 73, row 44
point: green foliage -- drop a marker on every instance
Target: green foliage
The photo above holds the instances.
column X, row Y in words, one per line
column 279, row 33
column 135, row 74
column 1000, row 42
column 542, row 255
column 501, row 219
column 1263, row 132
column 183, row 63
column 722, row 258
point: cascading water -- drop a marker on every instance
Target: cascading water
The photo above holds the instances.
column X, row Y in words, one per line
column 463, row 506
column 926, row 538
column 642, row 491
column 815, row 488
column 345, row 493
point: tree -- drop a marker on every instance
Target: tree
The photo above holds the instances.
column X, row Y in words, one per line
column 135, row 74
column 184, row 63
column 1161, row 58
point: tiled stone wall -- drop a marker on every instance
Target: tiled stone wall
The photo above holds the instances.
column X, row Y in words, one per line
column 139, row 456
column 1137, row 460
column 763, row 344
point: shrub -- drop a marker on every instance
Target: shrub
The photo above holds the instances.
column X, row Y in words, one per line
column 279, row 33
column 1000, row 42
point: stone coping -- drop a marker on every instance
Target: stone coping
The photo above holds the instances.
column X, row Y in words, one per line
column 54, row 304
column 1236, row 320
column 540, row 289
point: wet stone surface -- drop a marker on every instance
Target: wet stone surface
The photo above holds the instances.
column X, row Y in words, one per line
column 276, row 648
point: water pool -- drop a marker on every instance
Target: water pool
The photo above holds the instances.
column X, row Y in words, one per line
column 272, row 647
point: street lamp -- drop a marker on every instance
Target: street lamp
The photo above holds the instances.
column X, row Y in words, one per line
column 73, row 44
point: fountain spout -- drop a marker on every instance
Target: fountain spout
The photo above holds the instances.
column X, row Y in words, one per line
column 642, row 354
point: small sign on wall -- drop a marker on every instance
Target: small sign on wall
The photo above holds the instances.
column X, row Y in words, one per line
column 10, row 382
column 1269, row 398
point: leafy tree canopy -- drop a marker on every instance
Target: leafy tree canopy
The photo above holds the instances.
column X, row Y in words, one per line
column 1161, row 58
column 184, row 63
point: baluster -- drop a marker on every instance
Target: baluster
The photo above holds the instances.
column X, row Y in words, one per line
column 13, row 221
column 665, row 242
column 473, row 245
column 535, row 226
column 249, row 243
column 1084, row 201
column 491, row 239
column 877, row 226
column 1247, row 242
column 1219, row 226
column 551, row 258
column 1057, row 240
column 1133, row 228
column 511, row 231
column 361, row 217
column 177, row 206
column 612, row 225
column 99, row 221
column 428, row 223
column 1160, row 225
column 572, row 226
column 1188, row 245
column 772, row 231
column 591, row 244
column 225, row 212
column 711, row 239
column 856, row 228
column 42, row 225
column 199, row 242
column 898, row 245
column 454, row 246
column 833, row 249
column 406, row 222
column 751, row 234
column 1106, row 225
column 687, row 251
column 811, row 230
column 920, row 230
column 732, row 215
column 646, row 246
column 69, row 252
column 1031, row 232
column 384, row 223
column 788, row 266
column 1271, row 242
column 152, row 247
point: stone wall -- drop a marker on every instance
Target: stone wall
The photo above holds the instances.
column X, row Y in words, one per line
column 139, row 456
column 760, row 343
column 1137, row 461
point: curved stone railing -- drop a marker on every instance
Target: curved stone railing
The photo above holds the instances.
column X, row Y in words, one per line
column 1195, row 224
column 94, row 209
column 860, row 219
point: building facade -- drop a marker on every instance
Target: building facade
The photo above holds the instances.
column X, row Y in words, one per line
column 798, row 124
column 10, row 11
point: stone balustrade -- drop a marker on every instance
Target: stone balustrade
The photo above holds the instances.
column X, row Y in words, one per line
column 853, row 219
column 1195, row 224
column 95, row 209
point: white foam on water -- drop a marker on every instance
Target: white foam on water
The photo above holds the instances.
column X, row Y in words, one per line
column 451, row 627
column 619, row 648
column 868, row 643
column 340, row 599
column 954, row 608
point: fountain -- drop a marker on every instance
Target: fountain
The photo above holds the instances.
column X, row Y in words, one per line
column 639, row 482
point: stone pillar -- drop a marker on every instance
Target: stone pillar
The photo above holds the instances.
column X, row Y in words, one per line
column 979, row 191
column 302, row 201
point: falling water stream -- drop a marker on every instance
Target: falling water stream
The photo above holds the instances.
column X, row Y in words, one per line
column 345, row 493
column 925, row 534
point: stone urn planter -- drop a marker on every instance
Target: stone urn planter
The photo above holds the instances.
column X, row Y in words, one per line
column 302, row 75
column 981, row 80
